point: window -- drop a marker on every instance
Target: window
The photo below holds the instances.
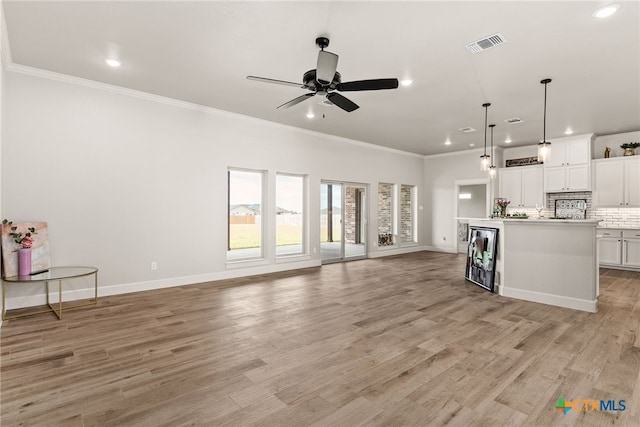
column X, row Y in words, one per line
column 245, row 215
column 290, row 224
column 386, row 229
column 407, row 214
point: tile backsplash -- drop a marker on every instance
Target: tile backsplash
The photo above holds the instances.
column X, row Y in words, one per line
column 611, row 217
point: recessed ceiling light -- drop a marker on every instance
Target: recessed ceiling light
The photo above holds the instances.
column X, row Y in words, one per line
column 472, row 145
column 569, row 131
column 447, row 143
column 113, row 62
column 507, row 141
column 310, row 115
column 606, row 11
column 406, row 82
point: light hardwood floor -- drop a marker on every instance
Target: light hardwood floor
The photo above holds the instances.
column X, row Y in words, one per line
column 394, row 341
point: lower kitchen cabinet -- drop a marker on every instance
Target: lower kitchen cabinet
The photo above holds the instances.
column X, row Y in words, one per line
column 619, row 248
column 631, row 248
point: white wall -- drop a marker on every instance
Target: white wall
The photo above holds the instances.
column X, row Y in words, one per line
column 613, row 142
column 123, row 180
column 441, row 172
column 474, row 207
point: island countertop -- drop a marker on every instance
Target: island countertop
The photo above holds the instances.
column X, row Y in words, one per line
column 545, row 221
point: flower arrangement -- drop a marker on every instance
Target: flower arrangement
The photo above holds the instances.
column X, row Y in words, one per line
column 500, row 208
column 632, row 145
column 24, row 240
column 503, row 203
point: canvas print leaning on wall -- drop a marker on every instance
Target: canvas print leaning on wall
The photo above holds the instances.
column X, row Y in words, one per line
column 481, row 257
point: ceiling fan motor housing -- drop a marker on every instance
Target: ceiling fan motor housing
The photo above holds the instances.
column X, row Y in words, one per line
column 310, row 82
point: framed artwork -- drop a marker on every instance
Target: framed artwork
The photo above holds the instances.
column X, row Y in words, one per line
column 481, row 257
column 39, row 250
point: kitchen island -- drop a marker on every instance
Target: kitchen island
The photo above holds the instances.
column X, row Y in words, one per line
column 550, row 261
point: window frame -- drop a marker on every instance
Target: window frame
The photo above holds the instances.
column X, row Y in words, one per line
column 263, row 219
column 305, row 215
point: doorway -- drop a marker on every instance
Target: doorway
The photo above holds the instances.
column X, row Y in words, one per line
column 343, row 221
column 472, row 200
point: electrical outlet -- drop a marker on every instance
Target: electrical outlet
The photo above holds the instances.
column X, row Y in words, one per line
column 154, row 265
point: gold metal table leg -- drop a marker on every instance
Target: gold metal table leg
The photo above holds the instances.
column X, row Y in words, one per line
column 4, row 300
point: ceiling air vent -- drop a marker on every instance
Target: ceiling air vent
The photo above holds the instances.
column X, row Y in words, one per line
column 467, row 130
column 486, row 43
column 514, row 121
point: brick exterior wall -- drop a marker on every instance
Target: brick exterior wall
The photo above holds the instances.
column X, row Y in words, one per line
column 350, row 215
column 406, row 214
column 385, row 215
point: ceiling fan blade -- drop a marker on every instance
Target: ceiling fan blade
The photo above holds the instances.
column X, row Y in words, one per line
column 373, row 84
column 342, row 102
column 297, row 100
column 279, row 82
column 326, row 67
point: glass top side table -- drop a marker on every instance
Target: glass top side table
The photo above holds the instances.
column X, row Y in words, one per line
column 53, row 274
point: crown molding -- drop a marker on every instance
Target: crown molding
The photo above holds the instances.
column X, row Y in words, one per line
column 65, row 78
column 461, row 153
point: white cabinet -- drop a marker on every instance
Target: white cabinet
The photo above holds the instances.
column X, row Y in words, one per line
column 616, row 182
column 619, row 248
column 569, row 166
column 575, row 150
column 631, row 248
column 521, row 185
column 609, row 247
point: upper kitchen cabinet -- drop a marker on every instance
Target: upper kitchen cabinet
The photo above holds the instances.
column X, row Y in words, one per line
column 616, row 182
column 569, row 166
column 522, row 186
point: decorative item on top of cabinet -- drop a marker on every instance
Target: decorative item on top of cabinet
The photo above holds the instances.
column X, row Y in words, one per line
column 569, row 167
column 616, row 182
column 630, row 148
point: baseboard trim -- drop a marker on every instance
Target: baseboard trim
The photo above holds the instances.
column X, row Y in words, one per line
column 447, row 250
column 126, row 288
column 396, row 251
column 550, row 299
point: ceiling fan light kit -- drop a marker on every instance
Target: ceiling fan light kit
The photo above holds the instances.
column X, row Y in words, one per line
column 325, row 80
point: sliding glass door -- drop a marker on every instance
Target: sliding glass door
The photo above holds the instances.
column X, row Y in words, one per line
column 343, row 221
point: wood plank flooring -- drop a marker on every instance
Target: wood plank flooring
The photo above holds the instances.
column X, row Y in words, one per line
column 395, row 341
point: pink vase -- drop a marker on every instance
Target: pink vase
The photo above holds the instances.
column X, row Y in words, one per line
column 24, row 261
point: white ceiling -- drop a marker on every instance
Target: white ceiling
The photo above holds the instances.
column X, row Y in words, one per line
column 201, row 52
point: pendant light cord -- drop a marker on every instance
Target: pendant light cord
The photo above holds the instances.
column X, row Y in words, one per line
column 486, row 112
column 491, row 152
column 544, row 119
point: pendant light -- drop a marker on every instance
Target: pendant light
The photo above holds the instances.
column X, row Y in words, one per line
column 492, row 168
column 485, row 159
column 544, row 147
